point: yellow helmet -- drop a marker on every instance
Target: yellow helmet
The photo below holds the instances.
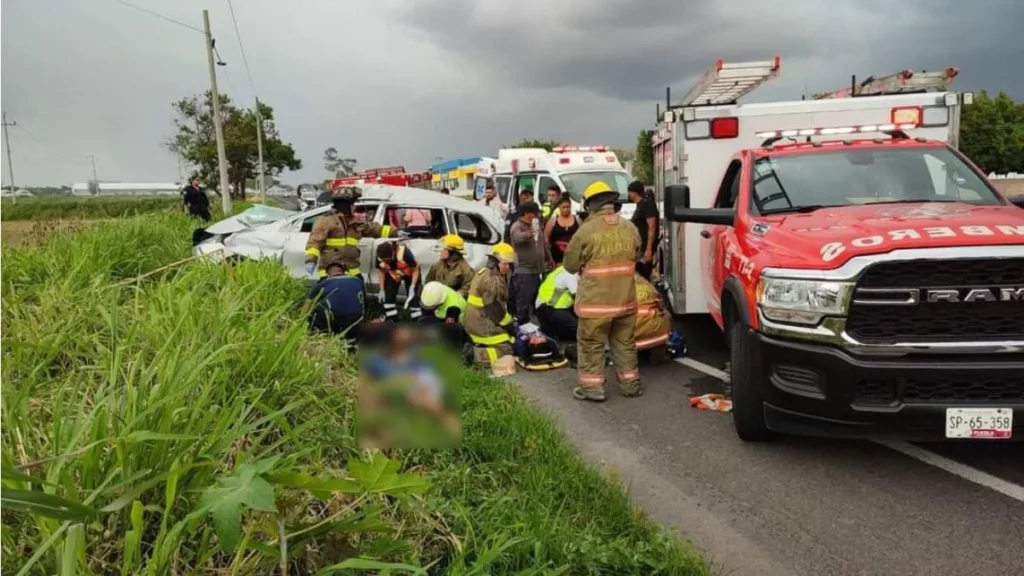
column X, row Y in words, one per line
column 596, row 188
column 504, row 253
column 453, row 242
column 598, row 194
column 433, row 295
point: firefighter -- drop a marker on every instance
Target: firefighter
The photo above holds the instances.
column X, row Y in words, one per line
column 442, row 304
column 488, row 323
column 335, row 236
column 554, row 304
column 602, row 252
column 653, row 321
column 397, row 266
column 452, row 269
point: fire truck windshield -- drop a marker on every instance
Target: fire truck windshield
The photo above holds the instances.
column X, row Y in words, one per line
column 789, row 182
column 576, row 182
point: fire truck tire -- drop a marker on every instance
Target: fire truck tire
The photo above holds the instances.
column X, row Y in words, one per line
column 747, row 405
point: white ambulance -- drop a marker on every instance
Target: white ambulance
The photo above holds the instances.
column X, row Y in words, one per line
column 698, row 136
column 485, row 170
column 571, row 168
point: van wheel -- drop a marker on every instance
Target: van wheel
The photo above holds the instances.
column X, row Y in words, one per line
column 747, row 405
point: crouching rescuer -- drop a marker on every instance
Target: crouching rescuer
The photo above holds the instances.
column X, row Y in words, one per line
column 602, row 252
column 488, row 323
column 653, row 321
column 555, row 300
column 452, row 269
column 335, row 236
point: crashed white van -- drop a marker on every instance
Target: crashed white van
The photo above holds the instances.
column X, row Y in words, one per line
column 272, row 233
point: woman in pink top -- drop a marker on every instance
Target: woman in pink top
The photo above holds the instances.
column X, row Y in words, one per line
column 416, row 217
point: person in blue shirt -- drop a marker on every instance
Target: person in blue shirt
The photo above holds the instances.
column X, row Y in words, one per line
column 335, row 303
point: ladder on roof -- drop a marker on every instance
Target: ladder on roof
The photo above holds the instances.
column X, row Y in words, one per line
column 906, row 81
column 725, row 83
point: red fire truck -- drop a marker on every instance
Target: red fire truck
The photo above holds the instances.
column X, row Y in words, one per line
column 390, row 175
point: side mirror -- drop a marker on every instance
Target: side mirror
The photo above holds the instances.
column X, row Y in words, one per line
column 676, row 206
column 1017, row 200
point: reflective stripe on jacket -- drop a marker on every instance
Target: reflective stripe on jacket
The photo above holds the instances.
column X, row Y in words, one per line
column 335, row 239
column 486, row 312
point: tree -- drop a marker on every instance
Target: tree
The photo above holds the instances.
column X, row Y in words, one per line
column 339, row 167
column 624, row 154
column 528, row 143
column 643, row 164
column 196, row 141
column 992, row 133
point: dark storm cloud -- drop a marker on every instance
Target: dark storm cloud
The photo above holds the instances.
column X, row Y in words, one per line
column 631, row 50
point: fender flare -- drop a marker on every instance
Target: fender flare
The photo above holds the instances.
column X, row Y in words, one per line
column 734, row 287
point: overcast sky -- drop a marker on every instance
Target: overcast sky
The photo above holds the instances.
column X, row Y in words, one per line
column 407, row 81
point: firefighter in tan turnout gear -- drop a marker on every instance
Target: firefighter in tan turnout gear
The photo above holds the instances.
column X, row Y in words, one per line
column 335, row 236
column 488, row 323
column 602, row 252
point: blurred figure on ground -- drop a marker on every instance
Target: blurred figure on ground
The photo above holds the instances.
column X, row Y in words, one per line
column 197, row 203
column 335, row 305
column 452, row 269
column 532, row 257
column 653, row 322
column 602, row 252
column 488, row 323
column 645, row 219
column 560, row 228
column 404, row 400
column 555, row 300
column 397, row 266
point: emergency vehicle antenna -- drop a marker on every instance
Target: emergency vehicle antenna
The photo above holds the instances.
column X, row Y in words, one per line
column 903, row 82
column 725, row 83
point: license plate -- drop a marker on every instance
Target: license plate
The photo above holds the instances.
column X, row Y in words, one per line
column 979, row 423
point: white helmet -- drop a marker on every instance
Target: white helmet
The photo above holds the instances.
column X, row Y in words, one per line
column 433, row 295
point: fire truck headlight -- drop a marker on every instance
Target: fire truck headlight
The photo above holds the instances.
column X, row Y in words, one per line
column 802, row 301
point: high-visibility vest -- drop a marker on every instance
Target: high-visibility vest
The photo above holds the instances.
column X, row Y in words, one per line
column 546, row 292
column 545, row 211
column 451, row 298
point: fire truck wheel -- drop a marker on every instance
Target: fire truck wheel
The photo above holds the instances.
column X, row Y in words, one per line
column 747, row 406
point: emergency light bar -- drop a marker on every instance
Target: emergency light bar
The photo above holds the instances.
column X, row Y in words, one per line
column 867, row 128
column 581, row 149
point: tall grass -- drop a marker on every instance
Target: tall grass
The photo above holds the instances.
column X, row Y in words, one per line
column 186, row 423
column 102, row 207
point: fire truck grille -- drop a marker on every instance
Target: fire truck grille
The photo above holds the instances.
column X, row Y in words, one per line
column 954, row 389
column 941, row 321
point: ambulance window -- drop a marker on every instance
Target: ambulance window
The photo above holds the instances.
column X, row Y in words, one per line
column 730, row 188
column 502, row 184
column 541, row 193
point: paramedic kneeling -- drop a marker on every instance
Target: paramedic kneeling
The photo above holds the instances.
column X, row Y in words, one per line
column 555, row 298
column 335, row 304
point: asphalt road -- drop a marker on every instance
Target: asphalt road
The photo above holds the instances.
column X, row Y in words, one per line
column 796, row 506
column 288, row 202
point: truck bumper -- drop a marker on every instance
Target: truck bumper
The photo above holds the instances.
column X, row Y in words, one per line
column 819, row 390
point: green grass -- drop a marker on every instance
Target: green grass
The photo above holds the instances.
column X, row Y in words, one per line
column 181, row 423
column 100, row 208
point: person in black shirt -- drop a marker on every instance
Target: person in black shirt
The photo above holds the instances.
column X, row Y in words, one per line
column 196, row 201
column 646, row 221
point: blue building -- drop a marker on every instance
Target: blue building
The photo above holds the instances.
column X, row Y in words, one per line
column 456, row 175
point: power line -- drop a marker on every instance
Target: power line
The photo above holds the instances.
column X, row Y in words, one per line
column 160, row 16
column 245, row 60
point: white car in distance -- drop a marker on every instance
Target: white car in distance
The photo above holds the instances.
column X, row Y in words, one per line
column 263, row 232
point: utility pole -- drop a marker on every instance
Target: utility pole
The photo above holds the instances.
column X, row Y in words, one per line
column 10, row 166
column 225, row 190
column 259, row 147
column 94, row 178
